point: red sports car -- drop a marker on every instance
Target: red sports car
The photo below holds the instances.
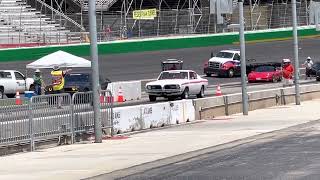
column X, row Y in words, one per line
column 265, row 73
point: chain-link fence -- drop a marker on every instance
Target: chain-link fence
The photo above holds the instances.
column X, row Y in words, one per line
column 52, row 116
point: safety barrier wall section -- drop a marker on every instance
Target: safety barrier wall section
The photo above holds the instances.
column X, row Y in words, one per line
column 131, row 118
column 156, row 44
column 131, row 90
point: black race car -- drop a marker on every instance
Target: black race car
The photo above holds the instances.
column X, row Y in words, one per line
column 315, row 70
column 79, row 82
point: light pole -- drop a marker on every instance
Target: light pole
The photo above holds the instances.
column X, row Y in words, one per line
column 243, row 61
column 95, row 71
column 296, row 53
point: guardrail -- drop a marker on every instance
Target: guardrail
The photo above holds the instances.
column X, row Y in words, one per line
column 52, row 116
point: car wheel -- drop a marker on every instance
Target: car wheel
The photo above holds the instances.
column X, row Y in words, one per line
column 201, row 93
column 152, row 98
column 208, row 75
column 230, row 73
column 185, row 94
column 318, row 79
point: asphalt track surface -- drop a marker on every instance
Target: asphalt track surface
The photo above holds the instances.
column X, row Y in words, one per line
column 147, row 65
column 291, row 153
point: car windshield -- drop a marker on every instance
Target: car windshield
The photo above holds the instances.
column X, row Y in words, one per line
column 5, row 75
column 77, row 78
column 224, row 55
column 171, row 66
column 173, row 75
column 264, row 69
column 316, row 66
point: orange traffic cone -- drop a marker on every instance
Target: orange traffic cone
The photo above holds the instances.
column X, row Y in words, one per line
column 18, row 100
column 120, row 95
column 218, row 91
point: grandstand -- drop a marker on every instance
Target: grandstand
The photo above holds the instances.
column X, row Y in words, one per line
column 20, row 23
column 43, row 22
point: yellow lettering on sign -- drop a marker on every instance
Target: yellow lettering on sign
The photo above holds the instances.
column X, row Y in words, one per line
column 145, row 14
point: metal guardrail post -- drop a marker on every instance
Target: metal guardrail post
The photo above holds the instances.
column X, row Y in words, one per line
column 226, row 105
column 283, row 97
column 248, row 100
column 72, row 120
column 31, row 132
column 111, row 116
column 277, row 97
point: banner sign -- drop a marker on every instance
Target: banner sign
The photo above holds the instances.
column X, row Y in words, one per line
column 145, row 14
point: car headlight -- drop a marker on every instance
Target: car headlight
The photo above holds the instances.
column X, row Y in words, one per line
column 149, row 87
column 178, row 86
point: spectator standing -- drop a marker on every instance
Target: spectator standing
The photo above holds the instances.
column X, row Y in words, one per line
column 308, row 65
column 287, row 72
column 37, row 81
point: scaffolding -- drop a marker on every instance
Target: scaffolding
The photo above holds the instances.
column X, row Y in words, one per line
column 182, row 17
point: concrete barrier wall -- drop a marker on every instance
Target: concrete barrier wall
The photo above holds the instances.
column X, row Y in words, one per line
column 131, row 89
column 132, row 118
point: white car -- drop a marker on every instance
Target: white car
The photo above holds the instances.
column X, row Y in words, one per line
column 177, row 83
column 12, row 81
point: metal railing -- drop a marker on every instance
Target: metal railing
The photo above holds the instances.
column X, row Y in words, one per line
column 14, row 122
column 83, row 111
column 53, row 116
